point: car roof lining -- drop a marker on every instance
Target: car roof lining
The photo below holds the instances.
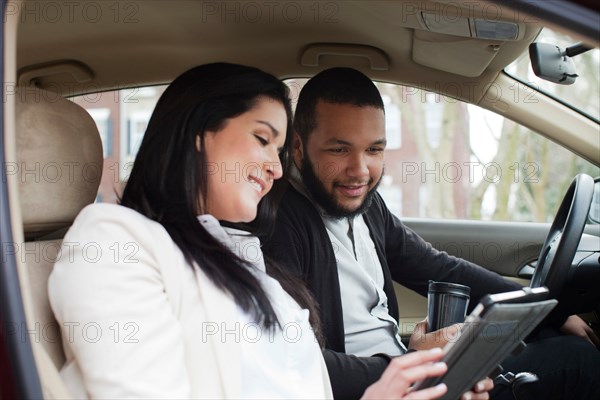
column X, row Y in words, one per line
column 166, row 38
column 153, row 49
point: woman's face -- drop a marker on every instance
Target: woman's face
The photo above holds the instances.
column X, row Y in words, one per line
column 243, row 160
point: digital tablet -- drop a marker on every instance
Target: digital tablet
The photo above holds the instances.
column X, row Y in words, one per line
column 494, row 329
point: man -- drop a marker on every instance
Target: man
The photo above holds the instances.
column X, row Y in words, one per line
column 335, row 231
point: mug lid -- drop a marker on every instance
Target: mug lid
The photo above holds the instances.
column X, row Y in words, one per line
column 449, row 288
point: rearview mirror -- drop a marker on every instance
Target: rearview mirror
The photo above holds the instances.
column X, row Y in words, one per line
column 594, row 214
column 552, row 63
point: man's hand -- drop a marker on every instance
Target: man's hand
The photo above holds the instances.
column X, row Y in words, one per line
column 480, row 390
column 577, row 327
column 421, row 340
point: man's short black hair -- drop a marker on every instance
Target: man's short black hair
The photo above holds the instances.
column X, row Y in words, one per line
column 337, row 86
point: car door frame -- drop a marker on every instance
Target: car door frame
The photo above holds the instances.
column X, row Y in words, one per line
column 20, row 377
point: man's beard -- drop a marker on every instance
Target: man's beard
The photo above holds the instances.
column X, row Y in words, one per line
column 325, row 200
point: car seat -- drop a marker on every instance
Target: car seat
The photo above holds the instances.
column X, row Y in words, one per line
column 59, row 166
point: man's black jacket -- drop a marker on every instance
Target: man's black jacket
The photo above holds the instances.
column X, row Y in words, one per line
column 300, row 243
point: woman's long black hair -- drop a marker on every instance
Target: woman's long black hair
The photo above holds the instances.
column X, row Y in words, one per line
column 168, row 182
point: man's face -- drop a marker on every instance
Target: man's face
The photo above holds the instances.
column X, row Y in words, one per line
column 342, row 161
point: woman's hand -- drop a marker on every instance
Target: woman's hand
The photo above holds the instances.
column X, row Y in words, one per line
column 422, row 340
column 404, row 371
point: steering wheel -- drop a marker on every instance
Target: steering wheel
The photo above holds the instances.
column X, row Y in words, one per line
column 563, row 239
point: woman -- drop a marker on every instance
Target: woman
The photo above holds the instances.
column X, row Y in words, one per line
column 172, row 303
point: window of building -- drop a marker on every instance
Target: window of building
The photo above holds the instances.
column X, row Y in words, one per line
column 102, row 118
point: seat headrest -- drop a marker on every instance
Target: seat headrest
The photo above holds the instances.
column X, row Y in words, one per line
column 59, row 160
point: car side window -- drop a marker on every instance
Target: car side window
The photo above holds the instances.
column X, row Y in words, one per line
column 121, row 117
column 461, row 161
column 444, row 158
column 449, row 159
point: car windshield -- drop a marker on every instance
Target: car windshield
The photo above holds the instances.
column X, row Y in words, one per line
column 581, row 95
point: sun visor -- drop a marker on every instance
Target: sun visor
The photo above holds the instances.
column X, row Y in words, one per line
column 463, row 45
column 455, row 54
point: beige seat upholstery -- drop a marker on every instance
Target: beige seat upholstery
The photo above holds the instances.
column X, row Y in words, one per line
column 59, row 166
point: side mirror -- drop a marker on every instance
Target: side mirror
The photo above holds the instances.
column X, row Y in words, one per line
column 594, row 214
column 552, row 63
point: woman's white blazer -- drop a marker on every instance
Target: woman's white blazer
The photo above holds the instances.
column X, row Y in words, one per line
column 136, row 319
